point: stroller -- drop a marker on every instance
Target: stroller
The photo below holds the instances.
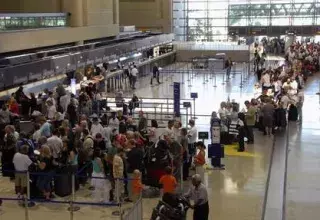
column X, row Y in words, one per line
column 172, row 207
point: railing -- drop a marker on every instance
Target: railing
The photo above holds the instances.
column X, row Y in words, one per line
column 22, row 21
column 69, row 196
column 209, row 46
column 136, row 212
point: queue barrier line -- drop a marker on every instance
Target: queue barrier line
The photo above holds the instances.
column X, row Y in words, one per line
column 109, row 204
column 68, row 173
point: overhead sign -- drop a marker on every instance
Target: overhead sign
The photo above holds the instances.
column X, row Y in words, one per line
column 203, row 135
column 194, row 95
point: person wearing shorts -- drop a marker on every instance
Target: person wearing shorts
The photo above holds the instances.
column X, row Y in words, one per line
column 21, row 163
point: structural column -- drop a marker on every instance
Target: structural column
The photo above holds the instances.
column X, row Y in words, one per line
column 116, row 11
column 75, row 8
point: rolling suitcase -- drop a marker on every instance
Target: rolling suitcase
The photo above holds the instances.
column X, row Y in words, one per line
column 63, row 181
column 293, row 113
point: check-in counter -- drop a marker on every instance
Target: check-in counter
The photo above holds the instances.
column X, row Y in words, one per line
column 118, row 80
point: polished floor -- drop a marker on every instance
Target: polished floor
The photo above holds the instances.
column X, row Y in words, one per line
column 303, row 182
column 237, row 192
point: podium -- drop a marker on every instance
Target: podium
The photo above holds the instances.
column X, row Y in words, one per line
column 216, row 149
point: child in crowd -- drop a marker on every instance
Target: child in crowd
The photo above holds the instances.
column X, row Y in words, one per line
column 137, row 185
column 168, row 182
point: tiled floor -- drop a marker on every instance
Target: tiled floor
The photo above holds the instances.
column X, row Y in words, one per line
column 303, row 186
column 235, row 193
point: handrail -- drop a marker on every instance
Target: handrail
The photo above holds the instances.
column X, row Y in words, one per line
column 24, row 15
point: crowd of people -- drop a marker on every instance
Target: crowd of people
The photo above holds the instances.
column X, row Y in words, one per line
column 101, row 148
column 69, row 130
column 278, row 96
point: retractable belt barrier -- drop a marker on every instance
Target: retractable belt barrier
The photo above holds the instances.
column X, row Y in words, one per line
column 67, row 184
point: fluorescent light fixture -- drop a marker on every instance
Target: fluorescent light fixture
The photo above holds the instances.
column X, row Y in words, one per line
column 137, row 54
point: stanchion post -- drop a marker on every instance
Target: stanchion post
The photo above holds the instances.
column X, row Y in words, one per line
column 181, row 177
column 141, row 104
column 26, row 200
column 204, row 77
column 72, row 197
column 241, row 82
column 215, row 79
column 161, row 113
column 72, row 208
column 207, row 75
column 183, row 77
column 223, row 79
column 155, row 113
column 194, row 109
column 167, row 116
column 118, row 195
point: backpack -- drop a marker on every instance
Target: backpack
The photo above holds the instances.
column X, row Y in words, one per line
column 30, row 145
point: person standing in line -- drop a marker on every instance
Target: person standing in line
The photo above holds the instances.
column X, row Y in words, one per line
column 299, row 104
column 192, row 135
column 228, row 66
column 155, row 74
column 268, row 113
column 134, row 75
column 200, row 159
column 250, row 121
column 185, row 155
column 199, row 194
column 118, row 171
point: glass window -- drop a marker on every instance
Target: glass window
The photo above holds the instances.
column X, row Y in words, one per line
column 197, row 14
column 218, row 14
column 280, row 21
column 204, row 17
column 238, row 21
column 259, row 21
column 302, row 21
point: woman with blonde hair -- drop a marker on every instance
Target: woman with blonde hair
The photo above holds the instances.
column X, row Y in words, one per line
column 46, row 166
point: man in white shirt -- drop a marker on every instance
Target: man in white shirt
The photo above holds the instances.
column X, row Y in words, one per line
column 55, row 144
column 107, row 132
column 51, row 110
column 96, row 127
column 265, row 81
column 192, row 135
column 299, row 104
column 198, row 193
column 285, row 101
column 51, row 98
column 293, row 87
column 21, row 163
column 114, row 123
column 64, row 102
column 134, row 75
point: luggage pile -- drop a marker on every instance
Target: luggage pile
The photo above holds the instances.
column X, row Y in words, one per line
column 172, row 207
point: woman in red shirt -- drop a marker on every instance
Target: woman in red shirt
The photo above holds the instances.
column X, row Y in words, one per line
column 200, row 159
column 14, row 107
